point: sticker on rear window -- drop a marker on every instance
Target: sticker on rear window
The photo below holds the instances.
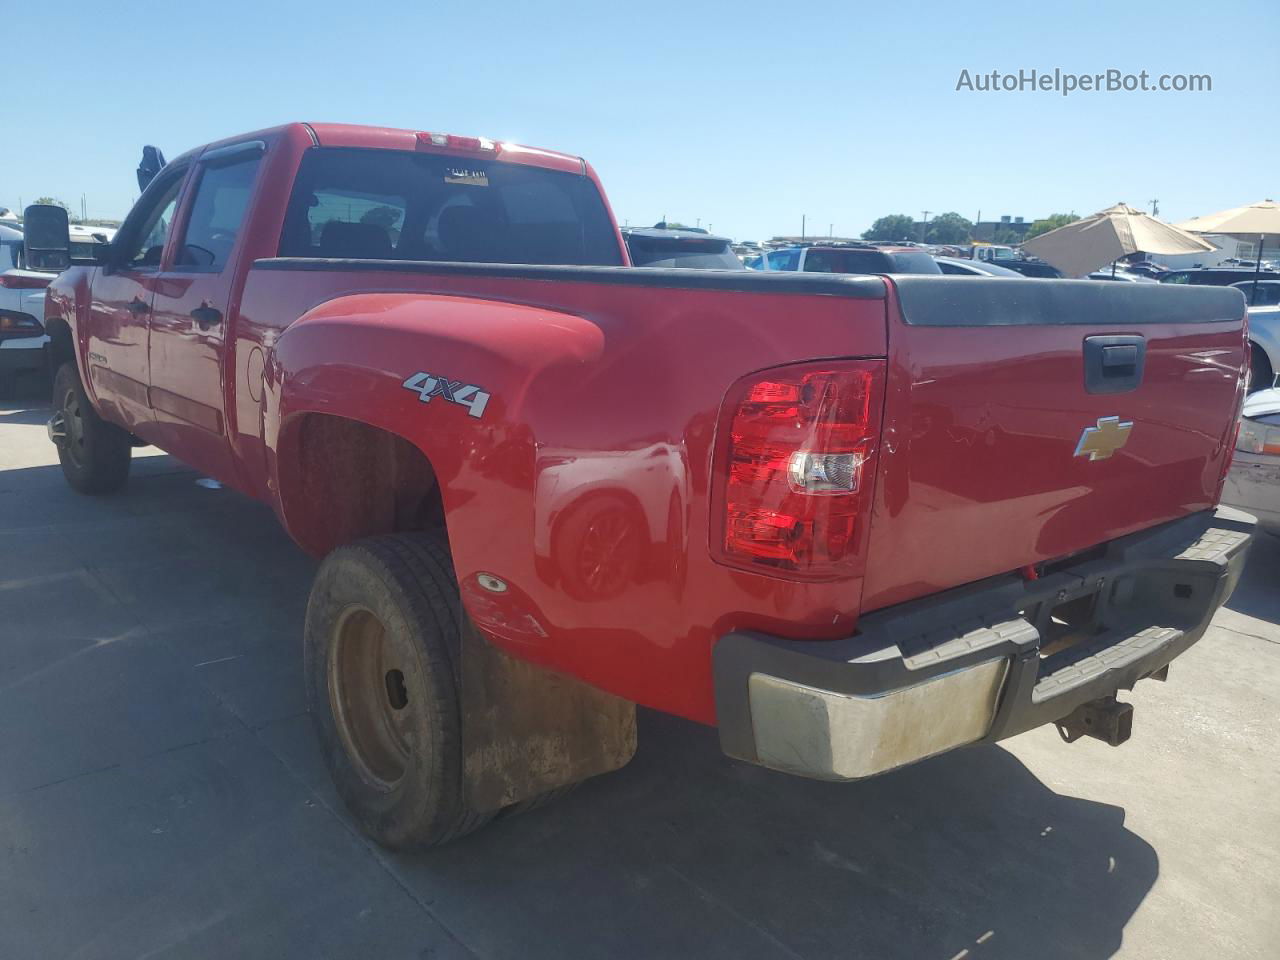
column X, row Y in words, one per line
column 467, row 176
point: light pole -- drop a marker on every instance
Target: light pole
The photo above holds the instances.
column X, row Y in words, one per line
column 924, row 225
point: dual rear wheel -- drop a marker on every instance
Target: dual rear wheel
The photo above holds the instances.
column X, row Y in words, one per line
column 382, row 649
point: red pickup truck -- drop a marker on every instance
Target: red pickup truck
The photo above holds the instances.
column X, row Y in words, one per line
column 853, row 521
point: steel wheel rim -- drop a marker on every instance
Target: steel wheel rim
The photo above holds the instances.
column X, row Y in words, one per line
column 72, row 424
column 369, row 697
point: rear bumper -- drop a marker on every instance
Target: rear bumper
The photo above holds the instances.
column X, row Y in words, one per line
column 22, row 354
column 974, row 663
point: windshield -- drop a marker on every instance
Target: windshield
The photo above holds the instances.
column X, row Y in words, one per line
column 392, row 204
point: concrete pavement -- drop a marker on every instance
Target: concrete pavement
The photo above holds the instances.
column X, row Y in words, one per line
column 161, row 794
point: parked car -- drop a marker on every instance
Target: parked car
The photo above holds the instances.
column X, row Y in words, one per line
column 23, row 341
column 850, row 258
column 1267, row 292
column 1037, row 269
column 1253, row 482
column 1214, row 276
column 1264, row 331
column 547, row 486
column 22, row 336
column 1123, row 276
column 689, row 249
column 1147, row 268
column 974, row 268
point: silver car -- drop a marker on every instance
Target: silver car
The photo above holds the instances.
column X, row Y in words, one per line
column 1264, row 330
column 1253, row 482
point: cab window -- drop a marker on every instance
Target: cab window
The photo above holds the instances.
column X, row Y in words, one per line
column 217, row 213
column 145, row 245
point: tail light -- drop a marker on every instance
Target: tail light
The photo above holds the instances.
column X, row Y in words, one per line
column 17, row 326
column 18, row 281
column 796, row 460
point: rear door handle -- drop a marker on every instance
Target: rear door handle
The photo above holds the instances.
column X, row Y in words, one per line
column 137, row 306
column 206, row 316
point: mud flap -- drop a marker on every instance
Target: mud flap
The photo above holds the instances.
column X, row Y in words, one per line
column 527, row 730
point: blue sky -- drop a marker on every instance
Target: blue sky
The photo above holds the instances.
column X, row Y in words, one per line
column 743, row 116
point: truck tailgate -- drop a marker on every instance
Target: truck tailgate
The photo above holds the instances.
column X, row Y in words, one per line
column 1029, row 420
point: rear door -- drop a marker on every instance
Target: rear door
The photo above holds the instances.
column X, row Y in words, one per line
column 193, row 298
column 119, row 310
column 1027, row 420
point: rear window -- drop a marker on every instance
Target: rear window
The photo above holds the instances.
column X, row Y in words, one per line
column 685, row 252
column 400, row 205
column 868, row 261
column 1268, row 294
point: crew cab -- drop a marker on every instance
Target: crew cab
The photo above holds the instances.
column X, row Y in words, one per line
column 851, row 521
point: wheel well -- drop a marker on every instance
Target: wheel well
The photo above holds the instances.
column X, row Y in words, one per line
column 61, row 346
column 341, row 480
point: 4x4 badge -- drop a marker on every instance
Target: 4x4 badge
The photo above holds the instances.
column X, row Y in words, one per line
column 468, row 395
column 1101, row 441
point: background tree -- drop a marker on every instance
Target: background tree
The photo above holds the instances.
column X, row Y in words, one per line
column 896, row 226
column 949, row 228
column 1051, row 222
column 54, row 201
column 1007, row 235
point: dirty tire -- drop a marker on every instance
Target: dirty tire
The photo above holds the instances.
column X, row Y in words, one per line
column 94, row 454
column 1261, row 376
column 381, row 643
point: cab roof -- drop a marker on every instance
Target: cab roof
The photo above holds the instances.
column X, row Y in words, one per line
column 392, row 138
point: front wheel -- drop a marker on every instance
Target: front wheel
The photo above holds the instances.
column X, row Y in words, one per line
column 94, row 454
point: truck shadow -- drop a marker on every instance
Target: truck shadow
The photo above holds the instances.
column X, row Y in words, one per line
column 969, row 855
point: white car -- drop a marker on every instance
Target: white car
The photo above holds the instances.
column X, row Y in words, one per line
column 22, row 336
column 1253, row 482
column 975, row 268
column 1264, row 330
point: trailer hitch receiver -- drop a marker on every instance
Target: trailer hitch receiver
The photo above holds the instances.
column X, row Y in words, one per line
column 1106, row 719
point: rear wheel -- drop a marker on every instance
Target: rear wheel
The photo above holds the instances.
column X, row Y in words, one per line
column 1261, row 376
column 382, row 640
column 94, row 454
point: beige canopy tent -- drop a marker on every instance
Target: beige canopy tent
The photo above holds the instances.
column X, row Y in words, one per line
column 1259, row 220
column 1081, row 247
column 1253, row 220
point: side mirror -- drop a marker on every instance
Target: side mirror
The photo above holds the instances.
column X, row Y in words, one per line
column 46, row 237
column 152, row 163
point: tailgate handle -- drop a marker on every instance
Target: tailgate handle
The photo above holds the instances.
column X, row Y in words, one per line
column 1113, row 364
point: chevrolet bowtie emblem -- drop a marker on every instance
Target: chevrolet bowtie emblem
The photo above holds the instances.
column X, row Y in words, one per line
column 1100, row 442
